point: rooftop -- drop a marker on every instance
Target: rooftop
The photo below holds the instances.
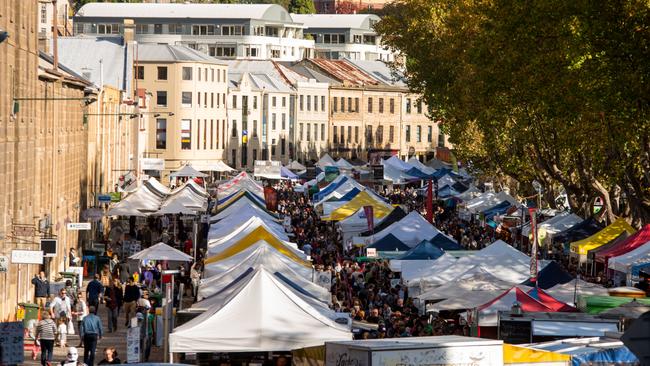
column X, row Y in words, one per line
column 345, row 71
column 356, row 21
column 194, row 11
column 167, row 53
column 380, row 71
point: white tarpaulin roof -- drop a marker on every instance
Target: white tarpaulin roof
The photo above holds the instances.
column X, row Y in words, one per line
column 246, row 207
column 396, row 162
column 159, row 186
column 295, row 165
column 423, row 168
column 478, row 280
column 232, row 223
column 411, row 230
column 251, row 255
column 268, row 169
column 216, row 245
column 343, row 164
column 555, row 224
column 161, row 252
column 446, row 180
column 212, row 166
column 124, row 208
column 325, row 161
column 187, row 171
column 571, row 290
column 471, row 193
column 274, row 262
column 487, row 200
column 624, row 262
column 265, row 315
column 411, row 273
column 174, row 208
column 355, row 222
column 143, row 199
column 241, row 182
column 188, row 196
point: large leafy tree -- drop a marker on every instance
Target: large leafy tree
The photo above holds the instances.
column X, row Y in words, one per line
column 549, row 90
column 302, row 7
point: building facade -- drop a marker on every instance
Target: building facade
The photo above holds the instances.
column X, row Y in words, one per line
column 345, row 36
column 227, row 31
column 188, row 120
column 43, row 142
column 46, row 21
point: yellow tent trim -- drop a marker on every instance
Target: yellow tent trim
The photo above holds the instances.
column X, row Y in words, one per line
column 380, row 209
column 517, row 354
column 253, row 237
column 602, row 237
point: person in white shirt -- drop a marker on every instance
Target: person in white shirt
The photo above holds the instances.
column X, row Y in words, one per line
column 61, row 306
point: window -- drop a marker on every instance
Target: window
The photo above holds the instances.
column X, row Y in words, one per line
column 369, row 105
column 212, row 75
column 186, row 99
column 203, row 30
column 356, row 105
column 273, row 120
column 271, row 31
column 322, row 132
column 309, row 102
column 234, row 128
column 380, row 134
column 342, row 104
column 349, row 104
column 418, row 134
column 113, row 28
column 198, row 134
column 186, row 134
column 161, row 133
column 157, row 29
column 322, row 103
column 222, row 51
column 233, row 154
column 315, row 102
column 232, row 30
column 273, row 101
column 349, row 133
column 369, row 39
column 187, row 73
column 284, row 121
column 175, row 29
column 44, row 14
column 139, row 72
column 301, row 129
column 284, row 101
column 252, row 51
column 391, row 134
column 441, row 139
column 342, row 131
column 315, row 132
column 308, row 132
column 234, row 101
column 392, row 105
column 142, row 28
column 162, row 72
column 334, row 105
column 420, row 107
column 381, row 105
column 408, row 105
column 272, row 147
column 335, row 138
column 334, row 38
column 254, row 154
column 255, row 102
column 407, row 134
column 211, row 134
column 429, row 134
column 254, row 128
column 211, row 100
column 199, row 72
column 198, row 98
column 357, row 38
column 369, row 134
column 161, row 98
column 275, row 53
column 301, row 102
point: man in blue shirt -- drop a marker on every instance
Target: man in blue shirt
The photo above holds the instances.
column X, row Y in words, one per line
column 93, row 291
column 90, row 332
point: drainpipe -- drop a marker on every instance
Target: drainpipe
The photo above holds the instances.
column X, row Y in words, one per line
column 55, row 36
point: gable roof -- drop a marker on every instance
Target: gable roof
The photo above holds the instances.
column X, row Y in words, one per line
column 153, row 52
column 354, row 21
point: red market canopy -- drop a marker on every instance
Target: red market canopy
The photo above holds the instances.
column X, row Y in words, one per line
column 632, row 242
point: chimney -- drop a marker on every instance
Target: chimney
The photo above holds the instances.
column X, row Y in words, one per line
column 129, row 31
column 55, row 36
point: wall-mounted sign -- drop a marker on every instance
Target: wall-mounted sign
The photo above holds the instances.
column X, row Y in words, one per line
column 104, row 198
column 78, row 226
column 19, row 256
column 152, row 164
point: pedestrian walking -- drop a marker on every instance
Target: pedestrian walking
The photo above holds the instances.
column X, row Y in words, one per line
column 113, row 299
column 41, row 289
column 45, row 335
column 131, row 296
column 79, row 313
column 61, row 306
column 94, row 291
column 91, row 332
column 110, row 357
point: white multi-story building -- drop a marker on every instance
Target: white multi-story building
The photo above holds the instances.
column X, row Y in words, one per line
column 228, row 31
column 261, row 114
column 350, row 36
column 46, row 21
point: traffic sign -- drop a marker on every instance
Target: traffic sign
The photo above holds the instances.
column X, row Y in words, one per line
column 104, row 198
column 78, row 226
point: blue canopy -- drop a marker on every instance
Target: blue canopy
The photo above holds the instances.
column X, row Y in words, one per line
column 552, row 274
column 350, row 195
column 580, row 231
column 330, row 188
column 499, row 209
column 442, row 172
column 603, row 356
column 424, row 250
column 415, row 172
column 447, row 191
column 389, row 243
column 444, row 242
column 286, row 173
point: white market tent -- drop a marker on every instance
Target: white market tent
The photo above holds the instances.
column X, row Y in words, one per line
column 354, row 224
column 446, row 180
column 419, row 265
column 295, row 165
column 411, row 230
column 143, row 199
column 487, row 200
column 187, row 171
column 471, row 193
column 423, row 168
column 554, row 225
column 264, row 316
column 246, row 208
column 241, row 182
column 218, row 244
column 570, row 291
column 125, row 208
column 189, row 197
column 477, row 280
column 174, row 208
column 414, row 273
column 252, row 255
column 325, row 161
column 624, row 262
column 274, row 262
column 161, row 188
column 162, row 252
column 344, row 164
column 234, row 222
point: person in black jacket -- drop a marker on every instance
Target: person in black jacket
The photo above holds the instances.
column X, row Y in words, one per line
column 41, row 289
column 131, row 296
column 113, row 297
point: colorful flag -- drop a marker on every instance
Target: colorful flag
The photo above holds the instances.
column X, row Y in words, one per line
column 430, row 201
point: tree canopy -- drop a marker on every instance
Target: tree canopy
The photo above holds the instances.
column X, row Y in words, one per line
column 550, row 90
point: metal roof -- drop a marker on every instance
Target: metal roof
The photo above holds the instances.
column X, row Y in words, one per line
column 263, row 73
column 345, row 71
column 89, row 55
column 170, row 53
column 309, row 71
column 345, row 21
column 380, row 71
column 183, row 11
